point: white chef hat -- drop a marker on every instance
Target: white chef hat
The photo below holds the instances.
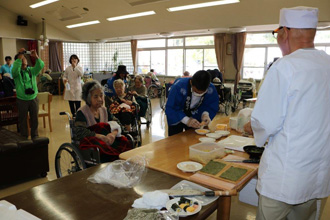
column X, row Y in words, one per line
column 299, row 17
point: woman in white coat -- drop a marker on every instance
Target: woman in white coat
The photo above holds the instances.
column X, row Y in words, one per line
column 72, row 81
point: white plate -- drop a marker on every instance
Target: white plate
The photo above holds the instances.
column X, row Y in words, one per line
column 206, row 139
column 204, row 200
column 214, row 135
column 189, row 166
column 223, row 133
column 202, row 131
column 235, row 142
column 183, row 213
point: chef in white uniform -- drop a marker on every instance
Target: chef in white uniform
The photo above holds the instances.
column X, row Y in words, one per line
column 293, row 114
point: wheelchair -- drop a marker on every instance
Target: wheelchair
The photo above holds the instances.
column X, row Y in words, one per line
column 148, row 114
column 164, row 94
column 70, row 159
column 46, row 85
column 154, row 88
column 225, row 97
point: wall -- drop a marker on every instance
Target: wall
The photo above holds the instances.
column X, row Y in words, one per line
column 7, row 48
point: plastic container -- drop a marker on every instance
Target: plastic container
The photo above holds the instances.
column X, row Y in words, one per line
column 204, row 152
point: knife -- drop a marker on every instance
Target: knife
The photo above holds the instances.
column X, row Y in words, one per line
column 192, row 192
column 244, row 161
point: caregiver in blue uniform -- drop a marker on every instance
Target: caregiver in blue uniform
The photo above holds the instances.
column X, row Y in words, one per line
column 190, row 102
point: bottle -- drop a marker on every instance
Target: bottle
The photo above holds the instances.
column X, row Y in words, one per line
column 67, row 86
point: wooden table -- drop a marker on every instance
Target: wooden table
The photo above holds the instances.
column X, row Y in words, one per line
column 165, row 154
column 75, row 198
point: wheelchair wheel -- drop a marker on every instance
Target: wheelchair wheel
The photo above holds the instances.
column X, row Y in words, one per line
column 153, row 91
column 227, row 107
column 149, row 113
column 68, row 160
column 162, row 101
column 235, row 102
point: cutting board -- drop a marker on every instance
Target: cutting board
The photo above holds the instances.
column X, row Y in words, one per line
column 222, row 184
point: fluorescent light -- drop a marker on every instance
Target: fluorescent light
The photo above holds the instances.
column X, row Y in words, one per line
column 83, row 24
column 202, row 5
column 132, row 15
column 39, row 4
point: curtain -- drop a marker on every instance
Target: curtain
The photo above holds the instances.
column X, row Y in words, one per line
column 237, row 47
column 134, row 54
column 220, row 51
column 32, row 44
column 55, row 63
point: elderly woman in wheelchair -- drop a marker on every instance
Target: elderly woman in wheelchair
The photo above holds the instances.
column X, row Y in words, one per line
column 140, row 93
column 123, row 105
column 96, row 127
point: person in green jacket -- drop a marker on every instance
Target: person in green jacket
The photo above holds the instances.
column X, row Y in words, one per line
column 27, row 91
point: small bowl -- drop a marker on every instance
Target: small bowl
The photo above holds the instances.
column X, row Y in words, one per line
column 223, row 133
column 206, row 139
column 254, row 151
column 202, row 131
column 214, row 135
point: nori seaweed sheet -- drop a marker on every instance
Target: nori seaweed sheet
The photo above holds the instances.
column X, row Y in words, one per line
column 213, row 167
column 233, row 173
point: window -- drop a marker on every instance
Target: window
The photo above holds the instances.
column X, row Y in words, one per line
column 254, row 63
column 151, row 43
column 100, row 56
column 195, row 41
column 261, row 49
column 177, row 55
column 174, row 62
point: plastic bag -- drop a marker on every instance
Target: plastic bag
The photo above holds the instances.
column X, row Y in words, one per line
column 243, row 117
column 121, row 173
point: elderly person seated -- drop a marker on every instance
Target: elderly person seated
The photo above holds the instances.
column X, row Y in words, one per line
column 140, row 92
column 123, row 105
column 95, row 127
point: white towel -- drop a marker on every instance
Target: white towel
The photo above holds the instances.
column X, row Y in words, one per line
column 152, row 200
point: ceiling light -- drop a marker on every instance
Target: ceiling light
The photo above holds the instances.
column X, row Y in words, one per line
column 202, row 5
column 83, row 24
column 39, row 4
column 132, row 15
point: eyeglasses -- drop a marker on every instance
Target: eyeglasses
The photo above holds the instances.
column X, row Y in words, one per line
column 275, row 32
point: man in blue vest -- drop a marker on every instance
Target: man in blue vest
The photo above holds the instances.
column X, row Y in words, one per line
column 190, row 102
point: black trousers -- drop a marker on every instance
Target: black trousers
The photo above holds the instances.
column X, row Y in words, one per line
column 176, row 129
column 74, row 106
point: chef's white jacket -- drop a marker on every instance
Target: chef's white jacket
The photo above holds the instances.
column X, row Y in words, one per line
column 74, row 79
column 293, row 113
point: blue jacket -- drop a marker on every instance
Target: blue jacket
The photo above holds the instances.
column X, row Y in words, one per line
column 177, row 98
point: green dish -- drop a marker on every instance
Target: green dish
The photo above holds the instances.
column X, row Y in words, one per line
column 233, row 173
column 213, row 167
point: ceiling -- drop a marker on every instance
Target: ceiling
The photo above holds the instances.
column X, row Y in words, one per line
column 251, row 15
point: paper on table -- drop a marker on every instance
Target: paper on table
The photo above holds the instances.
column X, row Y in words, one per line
column 235, row 142
column 9, row 211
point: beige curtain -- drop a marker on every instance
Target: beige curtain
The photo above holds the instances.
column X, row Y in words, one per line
column 220, row 52
column 134, row 54
column 237, row 47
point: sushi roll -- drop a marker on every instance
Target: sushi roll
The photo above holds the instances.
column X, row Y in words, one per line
column 176, row 207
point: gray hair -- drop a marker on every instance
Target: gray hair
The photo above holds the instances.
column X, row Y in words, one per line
column 118, row 82
column 87, row 90
column 138, row 77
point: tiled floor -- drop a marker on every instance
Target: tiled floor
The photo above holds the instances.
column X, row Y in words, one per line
column 157, row 130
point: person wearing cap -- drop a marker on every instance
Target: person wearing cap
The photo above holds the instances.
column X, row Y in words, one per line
column 292, row 113
column 190, row 102
column 72, row 81
column 121, row 73
column 6, row 68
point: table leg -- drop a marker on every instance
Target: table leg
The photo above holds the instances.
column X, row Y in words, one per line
column 223, row 211
column 59, row 86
